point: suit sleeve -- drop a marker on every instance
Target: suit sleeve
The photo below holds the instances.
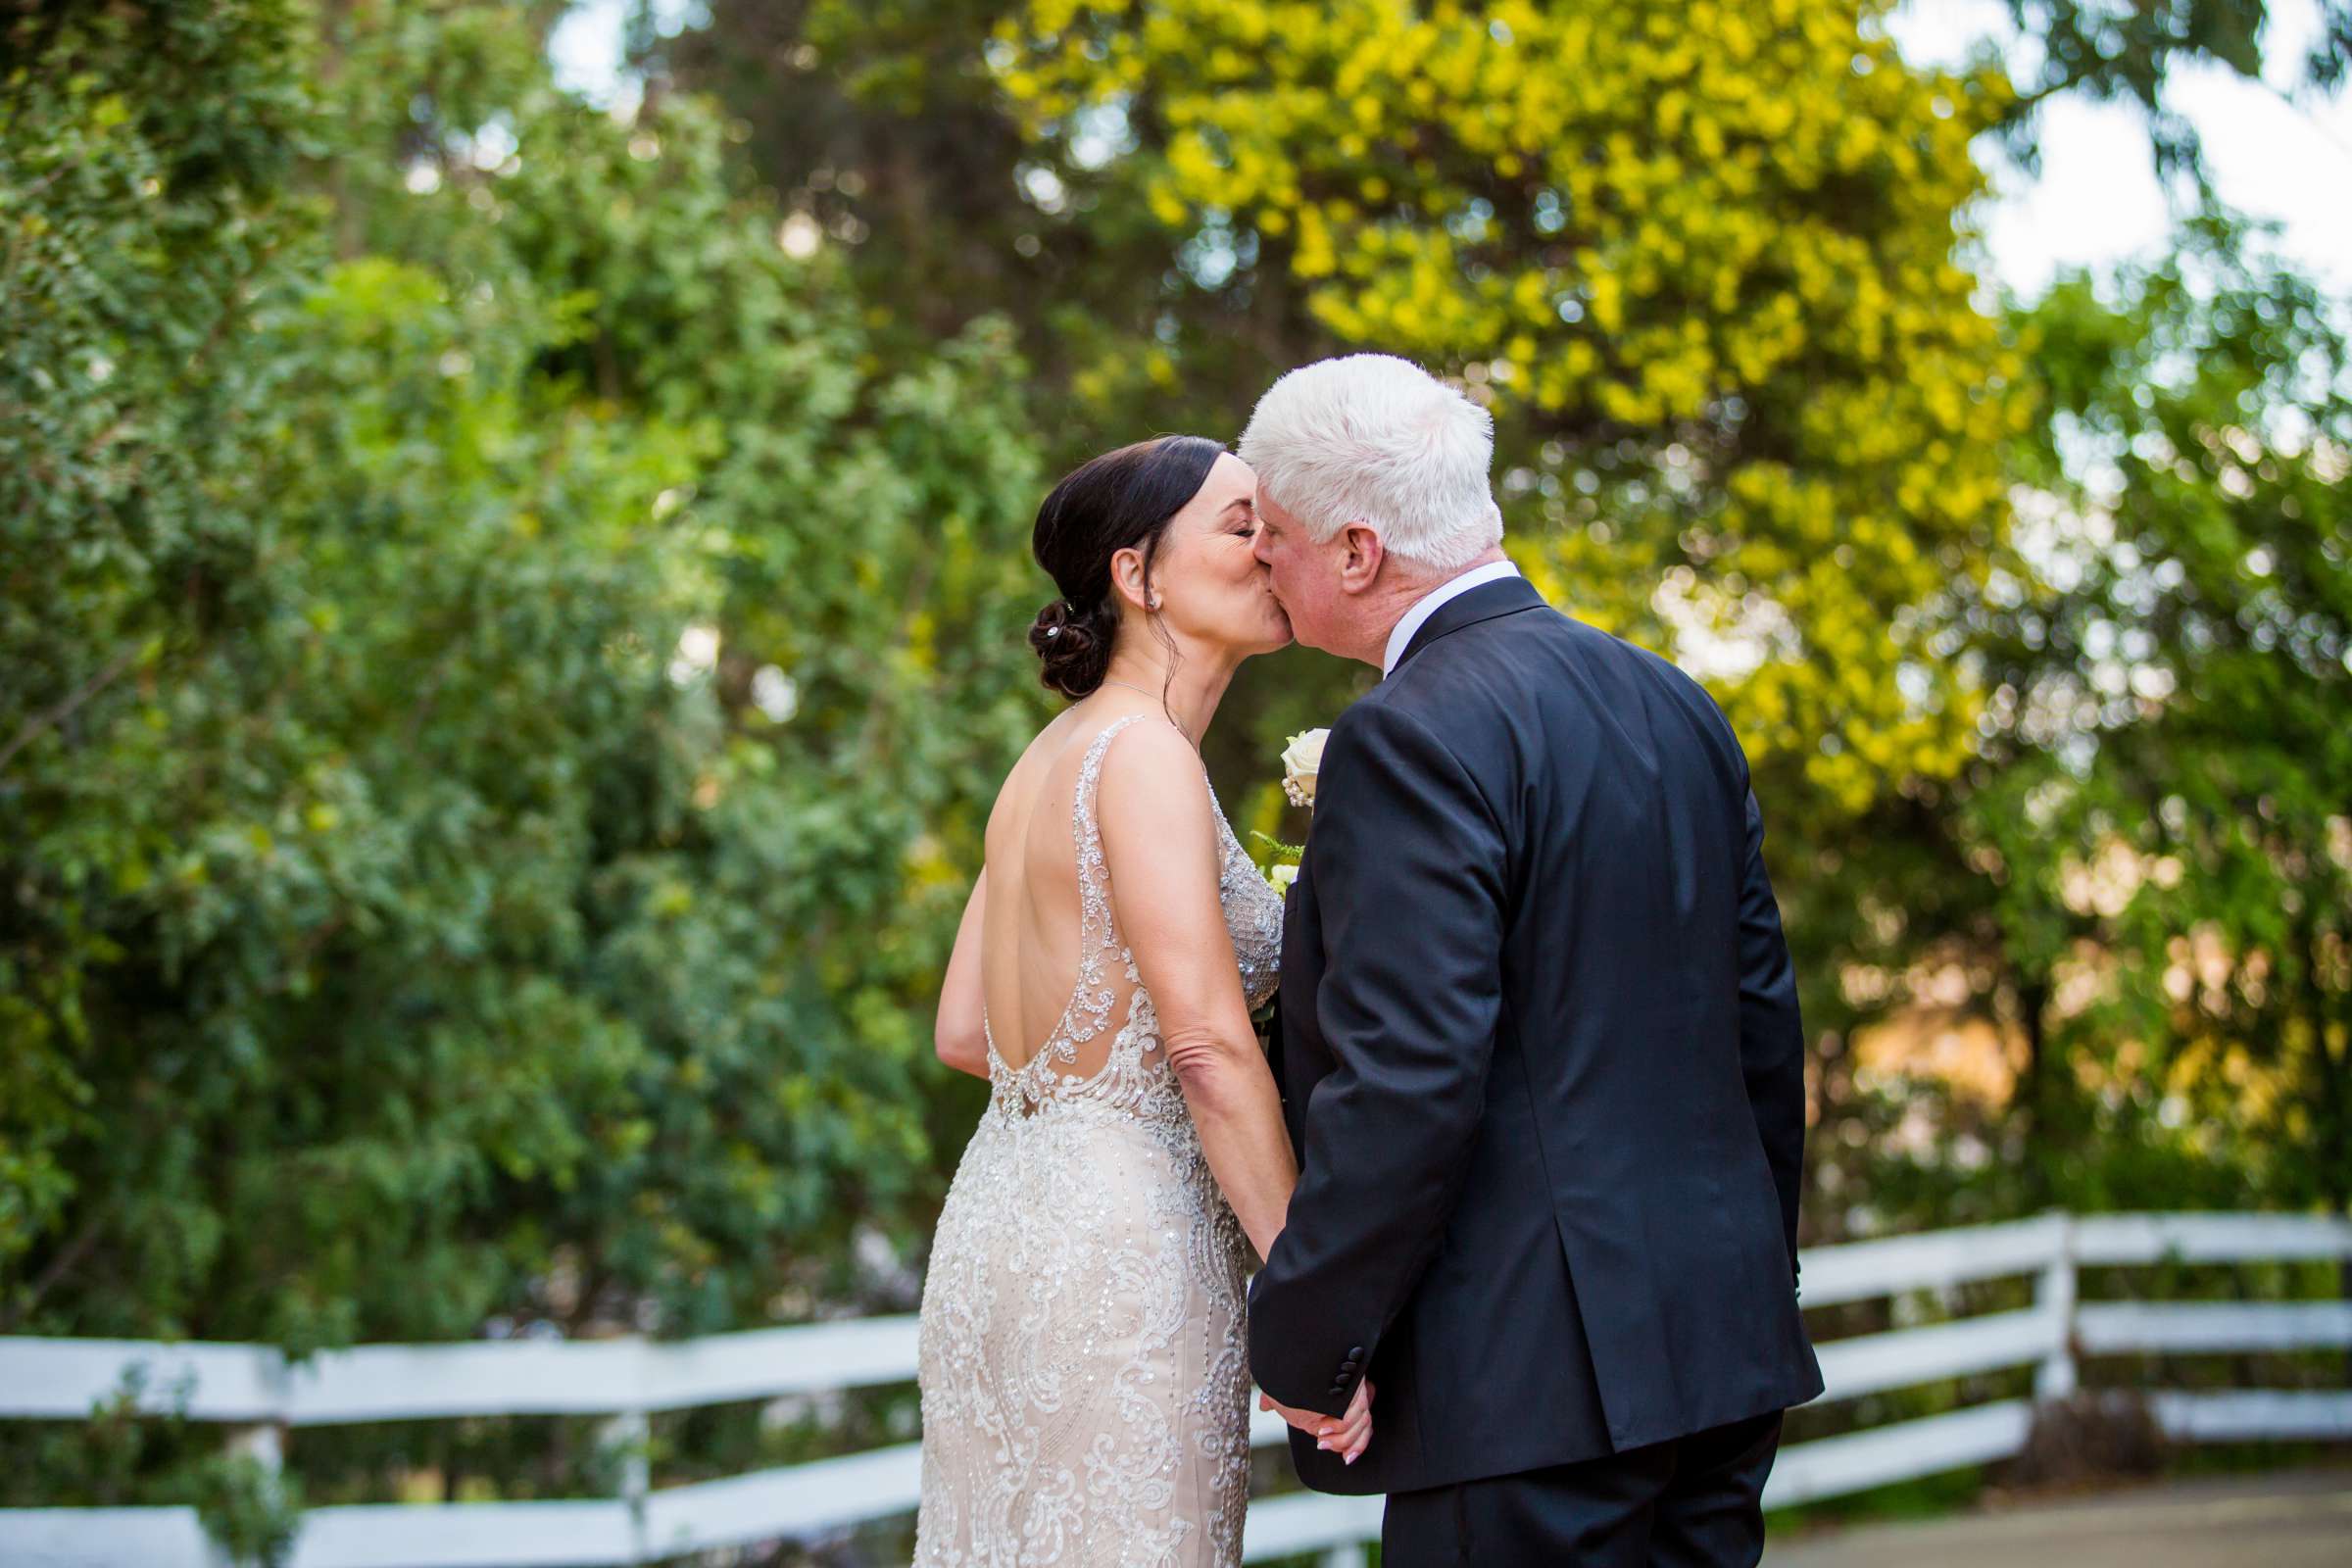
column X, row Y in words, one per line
column 1772, row 1037
column 1409, row 869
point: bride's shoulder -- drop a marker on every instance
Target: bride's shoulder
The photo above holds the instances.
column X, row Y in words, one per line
column 1134, row 754
column 1146, row 744
column 1149, row 773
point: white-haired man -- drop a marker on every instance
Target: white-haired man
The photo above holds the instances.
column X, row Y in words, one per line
column 1538, row 1038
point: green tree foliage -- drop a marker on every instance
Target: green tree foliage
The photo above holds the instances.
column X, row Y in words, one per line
column 1701, row 258
column 2138, row 891
column 1992, row 902
column 2173, row 842
column 143, row 222
column 1702, row 262
column 2129, row 53
column 887, row 126
column 497, row 680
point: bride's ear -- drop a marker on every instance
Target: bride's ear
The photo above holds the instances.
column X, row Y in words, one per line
column 1127, row 578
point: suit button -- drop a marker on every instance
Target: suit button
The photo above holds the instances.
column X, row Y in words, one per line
column 1355, row 1353
column 1347, row 1366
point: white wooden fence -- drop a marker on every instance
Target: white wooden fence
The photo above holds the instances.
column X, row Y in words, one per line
column 256, row 1391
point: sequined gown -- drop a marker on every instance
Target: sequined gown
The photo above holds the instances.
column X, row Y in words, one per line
column 1082, row 1358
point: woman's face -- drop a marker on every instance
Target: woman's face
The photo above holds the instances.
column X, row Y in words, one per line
column 1212, row 590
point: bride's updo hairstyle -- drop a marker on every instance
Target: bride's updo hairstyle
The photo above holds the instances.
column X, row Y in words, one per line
column 1122, row 500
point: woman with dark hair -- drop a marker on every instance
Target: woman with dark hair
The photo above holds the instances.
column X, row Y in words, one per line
column 1082, row 1362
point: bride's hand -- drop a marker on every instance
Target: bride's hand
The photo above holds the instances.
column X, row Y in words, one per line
column 1347, row 1436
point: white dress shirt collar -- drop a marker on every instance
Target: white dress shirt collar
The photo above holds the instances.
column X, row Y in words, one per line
column 1427, row 606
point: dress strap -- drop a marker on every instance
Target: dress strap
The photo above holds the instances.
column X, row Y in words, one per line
column 1097, row 933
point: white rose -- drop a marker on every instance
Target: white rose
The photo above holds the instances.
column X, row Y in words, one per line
column 1301, row 759
column 1282, row 876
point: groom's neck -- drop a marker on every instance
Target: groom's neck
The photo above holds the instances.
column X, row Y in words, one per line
column 1390, row 602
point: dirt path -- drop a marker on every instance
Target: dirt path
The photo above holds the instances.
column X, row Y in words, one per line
column 2295, row 1519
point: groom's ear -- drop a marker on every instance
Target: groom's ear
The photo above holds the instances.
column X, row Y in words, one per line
column 1362, row 554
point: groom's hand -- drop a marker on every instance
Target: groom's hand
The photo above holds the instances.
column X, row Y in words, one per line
column 1347, row 1436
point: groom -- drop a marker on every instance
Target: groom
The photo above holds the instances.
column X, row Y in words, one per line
column 1540, row 1049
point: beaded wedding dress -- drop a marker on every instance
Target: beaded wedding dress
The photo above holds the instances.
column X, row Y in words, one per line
column 1083, row 1364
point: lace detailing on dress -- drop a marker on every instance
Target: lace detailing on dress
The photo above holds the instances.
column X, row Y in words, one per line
column 1252, row 915
column 1083, row 1363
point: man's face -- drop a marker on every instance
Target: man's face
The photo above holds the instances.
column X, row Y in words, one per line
column 1305, row 574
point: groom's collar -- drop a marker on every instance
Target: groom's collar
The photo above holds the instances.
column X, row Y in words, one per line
column 1506, row 596
column 1417, row 614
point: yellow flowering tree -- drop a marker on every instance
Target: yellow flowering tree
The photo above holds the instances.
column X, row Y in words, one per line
column 1706, row 263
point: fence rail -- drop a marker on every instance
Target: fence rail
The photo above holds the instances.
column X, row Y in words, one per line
column 256, row 1389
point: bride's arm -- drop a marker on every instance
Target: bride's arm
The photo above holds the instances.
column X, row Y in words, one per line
column 1159, row 838
column 958, row 1034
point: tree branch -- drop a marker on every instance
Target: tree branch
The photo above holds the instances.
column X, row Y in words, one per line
column 64, row 708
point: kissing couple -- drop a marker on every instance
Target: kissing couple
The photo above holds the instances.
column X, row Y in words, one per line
column 1520, row 1167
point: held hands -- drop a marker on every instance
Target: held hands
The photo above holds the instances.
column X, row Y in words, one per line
column 1347, row 1436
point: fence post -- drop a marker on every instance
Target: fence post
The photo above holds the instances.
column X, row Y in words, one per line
column 1347, row 1556
column 2054, row 1293
column 263, row 1442
column 630, row 1435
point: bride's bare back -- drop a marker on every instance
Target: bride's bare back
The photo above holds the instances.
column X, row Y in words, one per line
column 1056, row 963
column 1036, row 930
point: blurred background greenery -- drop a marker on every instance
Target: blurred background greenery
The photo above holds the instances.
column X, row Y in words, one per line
column 514, row 610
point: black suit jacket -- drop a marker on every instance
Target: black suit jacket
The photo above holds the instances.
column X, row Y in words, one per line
column 1541, row 1058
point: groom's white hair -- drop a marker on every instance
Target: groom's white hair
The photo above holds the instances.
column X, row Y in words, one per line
column 1374, row 439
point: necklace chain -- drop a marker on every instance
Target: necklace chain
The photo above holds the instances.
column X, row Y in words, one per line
column 1138, row 690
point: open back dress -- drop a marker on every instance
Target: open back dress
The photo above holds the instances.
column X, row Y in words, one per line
column 1083, row 1360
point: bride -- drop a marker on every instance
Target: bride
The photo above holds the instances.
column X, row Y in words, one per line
column 1082, row 1356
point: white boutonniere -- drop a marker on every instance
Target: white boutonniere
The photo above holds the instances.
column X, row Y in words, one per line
column 1302, row 761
